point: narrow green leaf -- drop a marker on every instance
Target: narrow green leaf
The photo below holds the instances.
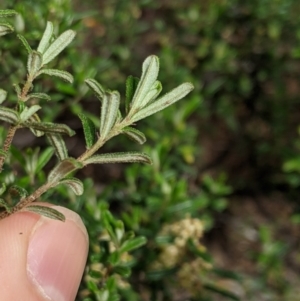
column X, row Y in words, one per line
column 3, row 188
column 35, row 118
column 39, row 96
column 49, row 127
column 17, row 89
column 5, row 28
column 25, row 43
column 75, row 184
column 9, row 115
column 109, row 112
column 3, row 95
column 17, row 190
column 96, row 88
column 44, row 158
column 58, row 73
column 108, row 220
column 131, row 85
column 114, row 258
column 21, row 106
column 5, row 205
column 132, row 244
column 45, row 211
column 28, row 112
column 58, row 46
column 163, row 102
column 46, row 38
column 126, row 157
column 89, row 130
column 124, row 271
column 59, row 145
column 34, row 62
column 134, row 134
column 149, row 75
column 62, row 169
column 7, row 13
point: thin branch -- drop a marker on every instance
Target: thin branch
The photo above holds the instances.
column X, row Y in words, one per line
column 116, row 130
column 25, row 201
column 7, row 143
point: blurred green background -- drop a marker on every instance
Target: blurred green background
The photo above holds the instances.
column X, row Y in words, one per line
column 227, row 155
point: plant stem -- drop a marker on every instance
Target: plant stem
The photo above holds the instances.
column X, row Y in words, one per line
column 26, row 88
column 116, row 130
column 12, row 129
column 7, row 143
column 25, row 201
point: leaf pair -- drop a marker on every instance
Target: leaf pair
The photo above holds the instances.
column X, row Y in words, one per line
column 47, row 51
column 50, row 50
column 144, row 103
column 110, row 103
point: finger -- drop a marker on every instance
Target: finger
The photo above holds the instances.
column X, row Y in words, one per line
column 41, row 258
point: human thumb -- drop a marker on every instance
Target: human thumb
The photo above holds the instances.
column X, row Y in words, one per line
column 40, row 258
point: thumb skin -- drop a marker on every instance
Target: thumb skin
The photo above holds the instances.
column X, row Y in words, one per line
column 40, row 258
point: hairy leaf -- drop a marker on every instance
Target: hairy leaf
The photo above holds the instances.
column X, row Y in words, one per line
column 124, row 157
column 3, row 95
column 45, row 211
column 49, row 127
column 131, row 85
column 17, row 190
column 9, row 115
column 35, row 118
column 58, row 73
column 96, row 87
column 17, row 89
column 59, row 145
column 152, row 94
column 149, row 75
column 134, row 134
column 73, row 183
column 46, row 38
column 58, row 46
column 62, row 169
column 34, row 62
column 39, row 96
column 163, row 102
column 5, row 28
column 89, row 130
column 25, row 43
column 109, row 112
column 7, row 13
column 28, row 112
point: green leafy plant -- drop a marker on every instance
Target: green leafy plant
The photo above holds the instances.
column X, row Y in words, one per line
column 112, row 238
column 141, row 101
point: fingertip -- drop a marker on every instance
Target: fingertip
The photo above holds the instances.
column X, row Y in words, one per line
column 45, row 257
column 57, row 253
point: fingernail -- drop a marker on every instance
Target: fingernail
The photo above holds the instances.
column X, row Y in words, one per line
column 57, row 255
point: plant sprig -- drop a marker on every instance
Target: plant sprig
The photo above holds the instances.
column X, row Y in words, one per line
column 142, row 100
